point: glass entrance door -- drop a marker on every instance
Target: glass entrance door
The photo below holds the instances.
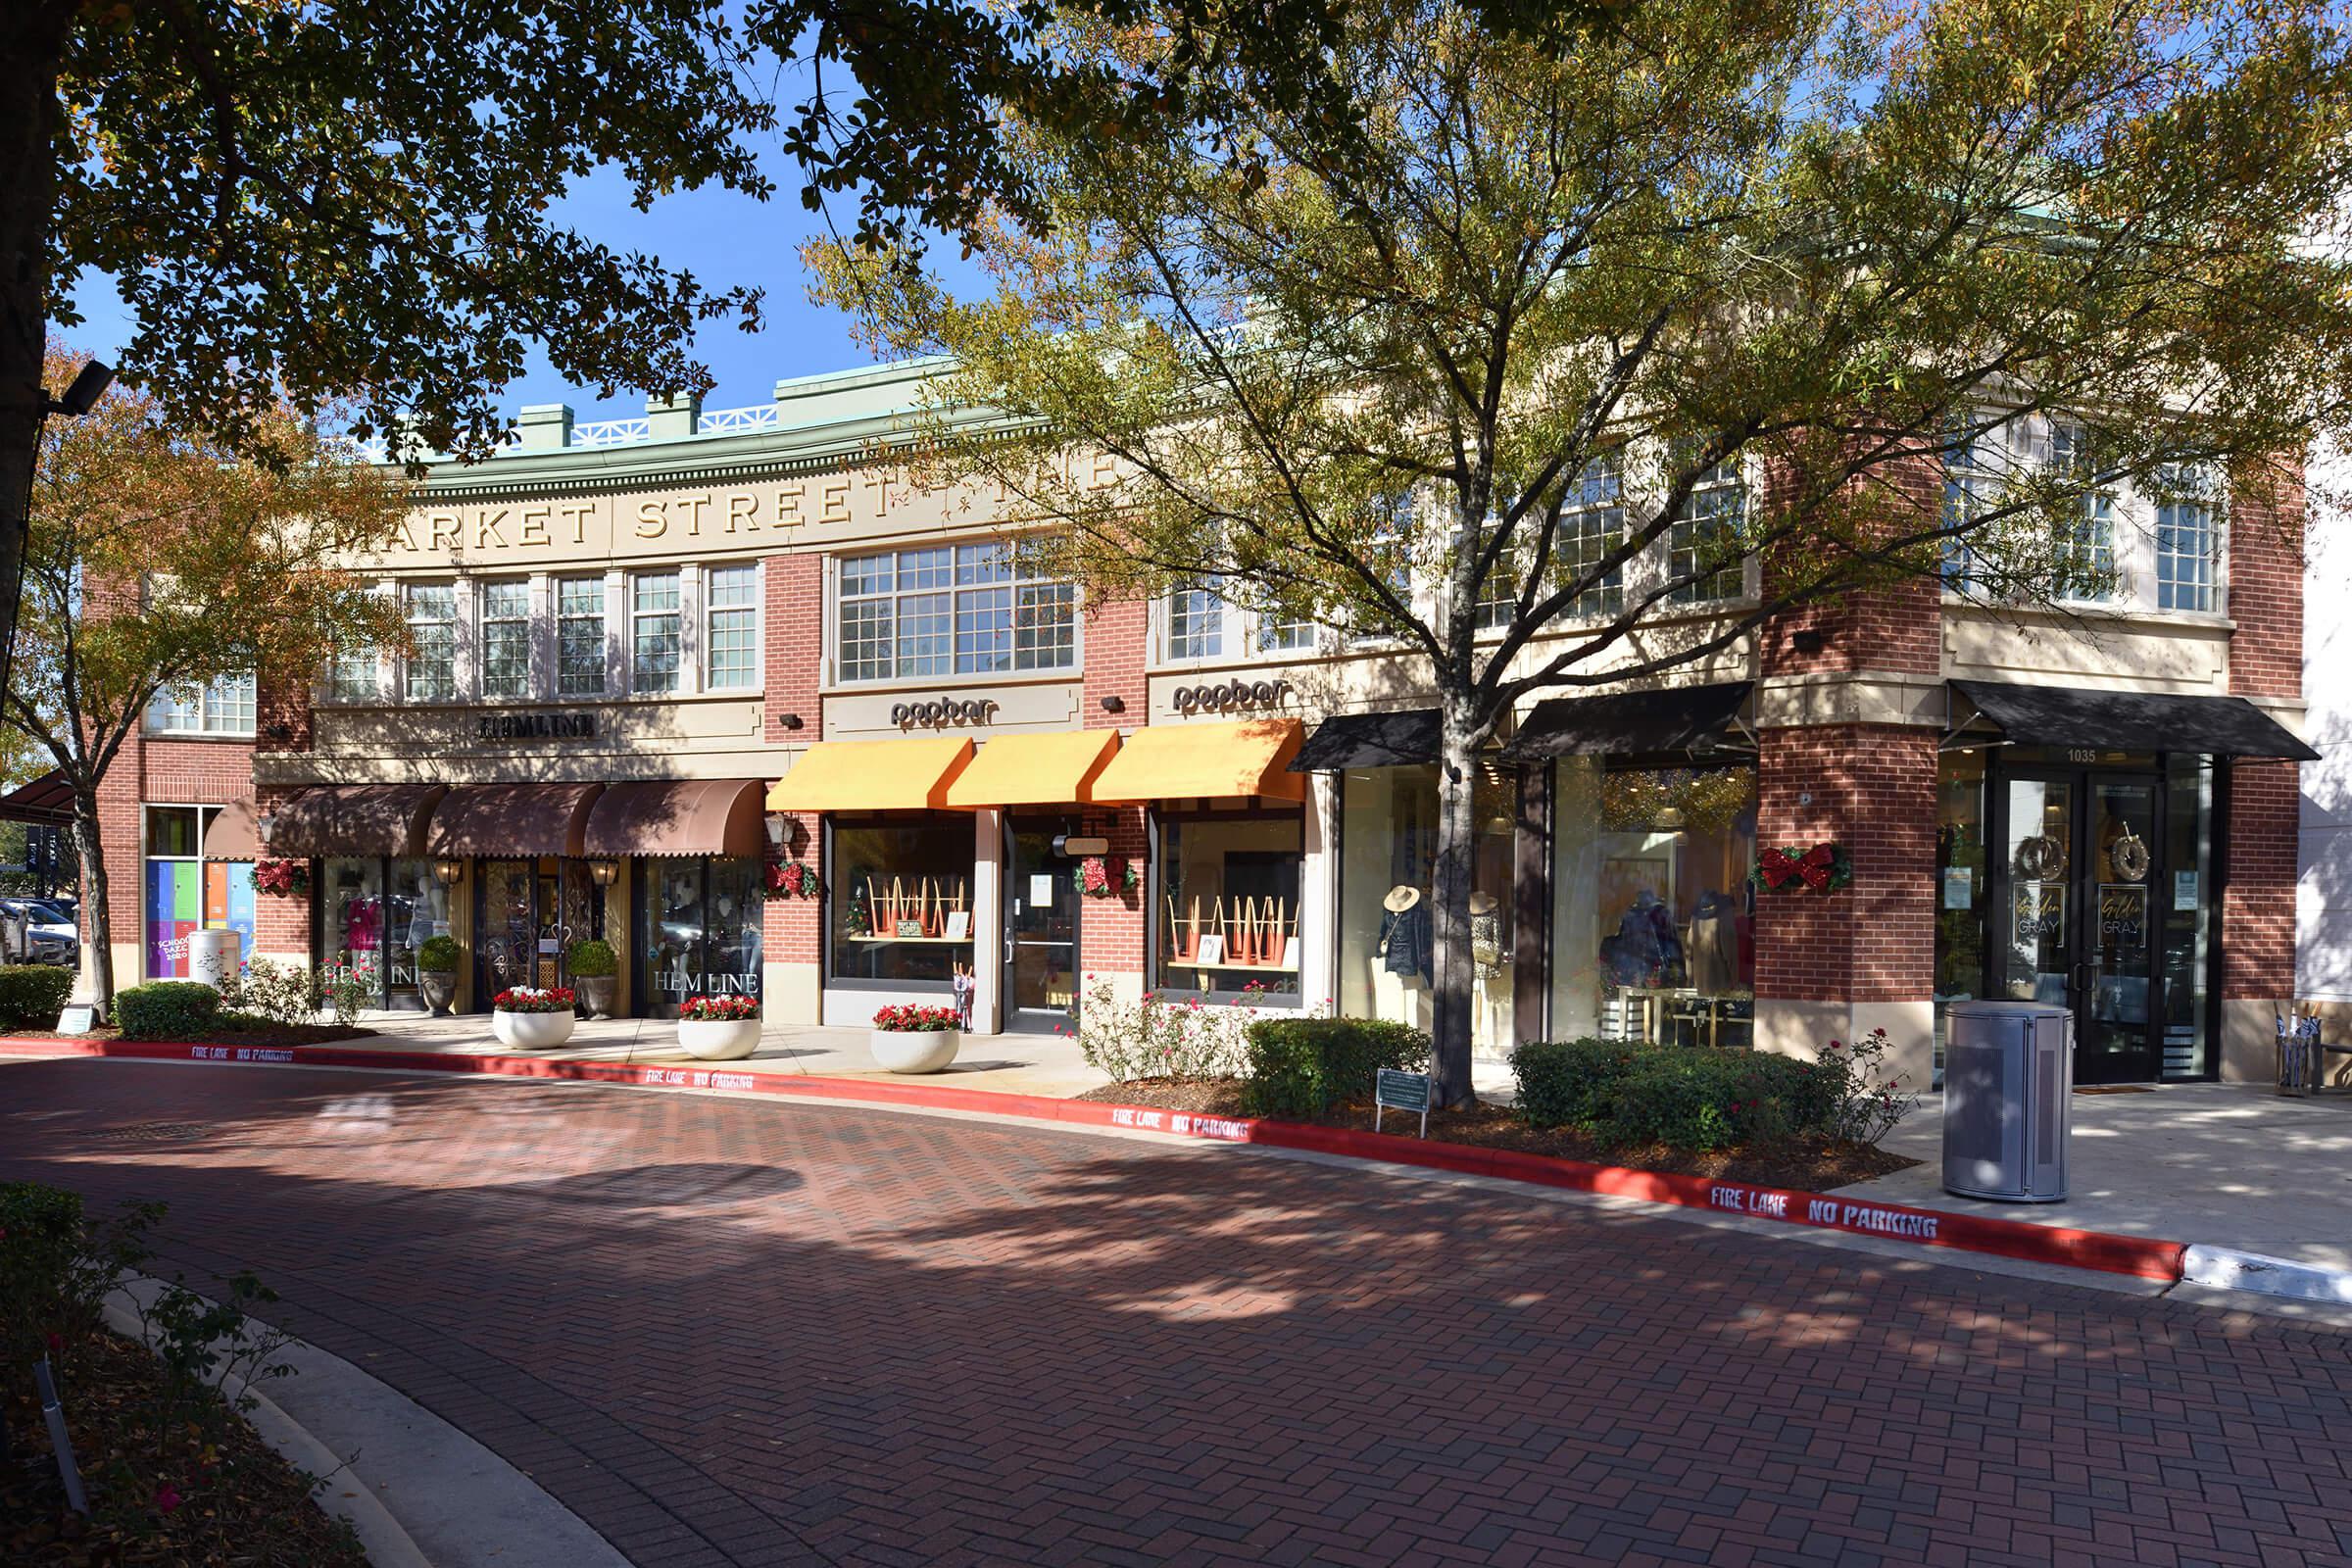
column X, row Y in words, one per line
column 1041, row 930
column 2081, row 865
column 527, row 913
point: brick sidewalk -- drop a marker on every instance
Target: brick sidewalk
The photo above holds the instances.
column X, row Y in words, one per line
column 727, row 1331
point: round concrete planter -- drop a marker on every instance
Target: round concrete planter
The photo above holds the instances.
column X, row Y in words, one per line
column 531, row 1031
column 439, row 988
column 915, row 1049
column 595, row 992
column 718, row 1039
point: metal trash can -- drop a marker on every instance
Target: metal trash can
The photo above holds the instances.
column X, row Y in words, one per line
column 2008, row 1099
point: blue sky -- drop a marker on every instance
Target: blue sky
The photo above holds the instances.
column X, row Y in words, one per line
column 723, row 239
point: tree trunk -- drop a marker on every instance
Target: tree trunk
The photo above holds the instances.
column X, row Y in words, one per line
column 96, row 918
column 32, row 40
column 1458, row 833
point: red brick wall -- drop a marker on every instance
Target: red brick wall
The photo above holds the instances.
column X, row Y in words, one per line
column 1896, row 628
column 793, row 928
column 1117, row 636
column 1873, row 790
column 2266, row 660
column 1110, row 931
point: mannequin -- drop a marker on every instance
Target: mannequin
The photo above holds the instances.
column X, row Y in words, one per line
column 1489, row 959
column 1401, row 961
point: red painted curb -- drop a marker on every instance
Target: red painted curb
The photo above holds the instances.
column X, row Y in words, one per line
column 2140, row 1256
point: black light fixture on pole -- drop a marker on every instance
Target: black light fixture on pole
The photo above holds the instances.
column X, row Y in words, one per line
column 89, row 385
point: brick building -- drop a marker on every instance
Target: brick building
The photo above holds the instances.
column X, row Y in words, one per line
column 660, row 659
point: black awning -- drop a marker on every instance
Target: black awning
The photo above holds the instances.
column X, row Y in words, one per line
column 1370, row 740
column 48, row 800
column 2126, row 721
column 1676, row 722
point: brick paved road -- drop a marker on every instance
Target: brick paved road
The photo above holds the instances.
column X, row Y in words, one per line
column 733, row 1331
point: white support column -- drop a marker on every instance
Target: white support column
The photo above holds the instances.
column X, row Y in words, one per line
column 617, row 623
column 542, row 684
column 690, row 630
column 988, row 922
column 1319, row 894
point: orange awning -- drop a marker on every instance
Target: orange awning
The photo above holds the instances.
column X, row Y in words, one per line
column 1179, row 761
column 1036, row 769
column 872, row 775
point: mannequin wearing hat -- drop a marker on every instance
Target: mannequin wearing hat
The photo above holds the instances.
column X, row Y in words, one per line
column 1402, row 959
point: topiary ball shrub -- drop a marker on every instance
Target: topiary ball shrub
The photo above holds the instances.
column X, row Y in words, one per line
column 33, row 995
column 592, row 959
column 438, row 955
column 166, row 1009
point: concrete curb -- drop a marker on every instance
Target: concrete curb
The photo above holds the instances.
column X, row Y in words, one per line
column 2225, row 1269
column 408, row 1473
column 2141, row 1258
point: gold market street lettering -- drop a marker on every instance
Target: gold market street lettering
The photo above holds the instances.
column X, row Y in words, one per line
column 535, row 728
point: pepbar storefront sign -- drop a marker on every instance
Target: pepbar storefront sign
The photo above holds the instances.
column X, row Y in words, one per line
column 535, row 728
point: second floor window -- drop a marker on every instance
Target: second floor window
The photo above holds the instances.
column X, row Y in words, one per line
column 1969, row 484
column 1591, row 526
column 1195, row 624
column 2084, row 551
column 222, row 707
column 1499, row 593
column 654, row 649
column 962, row 609
column 354, row 675
column 1278, row 632
column 580, row 637
column 731, row 642
column 506, row 639
column 1703, row 560
column 2187, row 542
column 432, row 615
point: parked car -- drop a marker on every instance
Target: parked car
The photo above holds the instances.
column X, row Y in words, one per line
column 46, row 935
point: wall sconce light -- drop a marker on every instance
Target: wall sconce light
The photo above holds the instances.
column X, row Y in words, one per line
column 789, row 720
column 604, row 871
column 1114, row 705
column 278, row 731
column 776, row 827
column 265, row 824
column 448, row 869
column 1808, row 642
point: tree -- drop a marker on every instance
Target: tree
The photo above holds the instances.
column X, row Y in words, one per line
column 1480, row 363
column 160, row 560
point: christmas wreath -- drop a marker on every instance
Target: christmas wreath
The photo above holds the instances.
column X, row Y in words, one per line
column 281, row 879
column 1095, row 877
column 1824, row 868
column 791, row 879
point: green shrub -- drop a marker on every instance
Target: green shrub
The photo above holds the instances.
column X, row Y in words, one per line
column 57, row 1266
column 280, row 993
column 33, row 995
column 439, row 956
column 1299, row 1066
column 1567, row 1083
column 166, row 1009
column 592, row 959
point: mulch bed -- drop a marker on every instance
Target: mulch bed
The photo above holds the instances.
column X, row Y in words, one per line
column 275, row 1034
column 1806, row 1164
column 232, row 1501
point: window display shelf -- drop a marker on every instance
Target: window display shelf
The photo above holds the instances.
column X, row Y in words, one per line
column 1235, row 968
column 939, row 942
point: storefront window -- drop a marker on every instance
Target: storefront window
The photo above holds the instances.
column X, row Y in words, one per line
column 2187, row 922
column 415, row 909
column 1653, row 921
column 1387, row 858
column 1962, row 885
column 902, row 901
column 373, row 916
column 185, row 894
column 699, row 931
column 1228, row 886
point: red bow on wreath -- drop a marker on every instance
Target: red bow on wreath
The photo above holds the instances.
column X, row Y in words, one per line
column 1821, row 868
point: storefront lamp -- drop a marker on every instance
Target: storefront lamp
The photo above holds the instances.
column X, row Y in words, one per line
column 265, row 824
column 449, row 868
column 604, row 871
column 776, row 828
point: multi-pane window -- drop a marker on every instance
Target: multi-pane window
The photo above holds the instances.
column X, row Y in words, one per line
column 1195, row 622
column 432, row 615
column 2188, row 541
column 1281, row 632
column 580, row 636
column 655, row 605
column 962, row 609
column 2084, row 551
column 225, row 707
column 1969, row 484
column 1388, row 549
column 1591, row 526
column 1499, row 591
column 1703, row 560
column 731, row 640
column 353, row 675
column 506, row 638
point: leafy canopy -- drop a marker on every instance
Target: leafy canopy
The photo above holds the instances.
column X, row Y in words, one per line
column 1341, row 351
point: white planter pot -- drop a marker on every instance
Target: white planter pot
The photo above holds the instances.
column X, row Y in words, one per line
column 531, row 1031
column 915, row 1049
column 718, row 1039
